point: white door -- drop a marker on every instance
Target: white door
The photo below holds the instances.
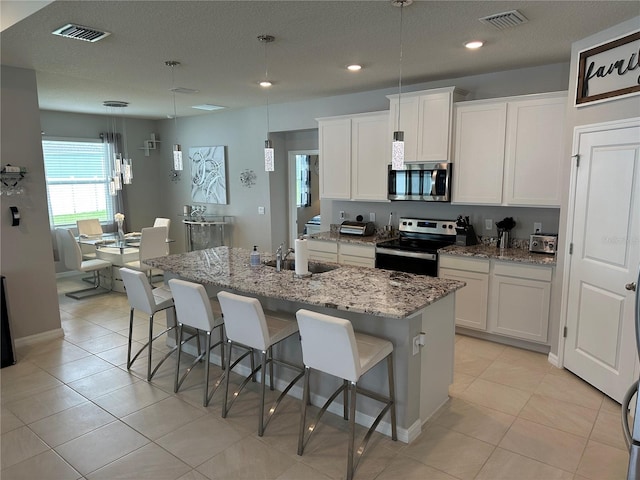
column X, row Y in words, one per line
column 600, row 344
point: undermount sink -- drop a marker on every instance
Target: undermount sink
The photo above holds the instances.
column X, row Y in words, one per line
column 313, row 267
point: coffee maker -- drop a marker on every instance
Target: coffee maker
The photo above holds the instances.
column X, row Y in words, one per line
column 465, row 233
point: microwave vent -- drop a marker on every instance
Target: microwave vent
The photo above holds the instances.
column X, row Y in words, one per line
column 87, row 34
column 504, row 20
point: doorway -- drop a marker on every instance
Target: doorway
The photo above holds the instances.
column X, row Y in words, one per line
column 304, row 188
column 604, row 215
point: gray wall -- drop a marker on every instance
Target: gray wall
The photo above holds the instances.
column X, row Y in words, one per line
column 27, row 255
column 597, row 113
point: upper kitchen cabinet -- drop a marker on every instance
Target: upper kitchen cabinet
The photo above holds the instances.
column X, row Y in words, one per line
column 426, row 119
column 354, row 154
column 509, row 151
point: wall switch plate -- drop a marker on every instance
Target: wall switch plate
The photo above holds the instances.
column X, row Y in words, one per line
column 260, row 210
column 488, row 224
column 537, row 227
column 341, row 214
column 372, row 217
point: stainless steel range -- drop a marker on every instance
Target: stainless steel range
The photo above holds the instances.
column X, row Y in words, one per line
column 415, row 250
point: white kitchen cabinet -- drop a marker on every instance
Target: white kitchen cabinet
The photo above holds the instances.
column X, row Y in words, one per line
column 479, row 153
column 471, row 301
column 323, row 251
column 509, row 151
column 357, row 255
column 335, row 157
column 520, row 298
column 426, row 119
column 354, row 154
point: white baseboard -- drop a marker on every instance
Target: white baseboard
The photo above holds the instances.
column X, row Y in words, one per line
column 553, row 360
column 39, row 337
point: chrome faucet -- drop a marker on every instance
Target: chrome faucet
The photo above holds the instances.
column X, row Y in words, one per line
column 279, row 258
column 290, row 250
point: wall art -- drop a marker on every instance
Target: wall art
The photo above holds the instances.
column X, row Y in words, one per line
column 208, row 174
column 248, row 178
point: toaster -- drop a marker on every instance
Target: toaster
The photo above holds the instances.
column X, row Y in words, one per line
column 543, row 242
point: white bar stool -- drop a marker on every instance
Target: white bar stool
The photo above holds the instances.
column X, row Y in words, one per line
column 196, row 310
column 330, row 345
column 246, row 324
column 150, row 300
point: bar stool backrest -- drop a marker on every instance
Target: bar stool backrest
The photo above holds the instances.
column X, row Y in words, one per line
column 244, row 320
column 329, row 345
column 71, row 251
column 193, row 307
column 139, row 291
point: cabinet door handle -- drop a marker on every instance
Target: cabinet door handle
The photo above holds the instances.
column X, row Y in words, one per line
column 631, row 286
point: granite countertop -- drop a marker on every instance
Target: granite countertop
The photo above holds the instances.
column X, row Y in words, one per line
column 370, row 291
column 355, row 239
column 509, row 254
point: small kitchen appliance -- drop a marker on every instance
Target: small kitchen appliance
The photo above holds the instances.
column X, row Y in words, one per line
column 543, row 243
column 363, row 229
column 429, row 182
column 416, row 248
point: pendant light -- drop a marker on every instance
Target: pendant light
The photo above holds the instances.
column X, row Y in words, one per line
column 177, row 148
column 122, row 172
column 269, row 163
column 397, row 146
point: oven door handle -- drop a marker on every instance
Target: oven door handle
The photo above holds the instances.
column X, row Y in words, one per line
column 404, row 253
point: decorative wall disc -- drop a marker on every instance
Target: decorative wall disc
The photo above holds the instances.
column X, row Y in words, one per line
column 248, row 178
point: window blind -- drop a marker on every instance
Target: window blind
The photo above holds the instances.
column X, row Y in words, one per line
column 77, row 175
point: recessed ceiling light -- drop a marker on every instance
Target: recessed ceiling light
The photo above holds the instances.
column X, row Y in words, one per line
column 354, row 67
column 265, row 83
column 474, row 44
column 207, row 106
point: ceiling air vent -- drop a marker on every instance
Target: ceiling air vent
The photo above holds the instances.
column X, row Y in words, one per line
column 504, row 20
column 79, row 32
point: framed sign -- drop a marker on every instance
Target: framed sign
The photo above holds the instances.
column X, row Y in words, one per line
column 609, row 70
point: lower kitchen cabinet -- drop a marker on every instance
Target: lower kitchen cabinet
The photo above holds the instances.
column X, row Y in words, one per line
column 504, row 298
column 520, row 299
column 471, row 301
column 357, row 255
column 343, row 253
column 321, row 251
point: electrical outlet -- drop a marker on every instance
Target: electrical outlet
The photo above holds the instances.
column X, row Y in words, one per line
column 260, row 210
column 372, row 217
column 488, row 224
column 341, row 214
column 416, row 344
column 537, row 227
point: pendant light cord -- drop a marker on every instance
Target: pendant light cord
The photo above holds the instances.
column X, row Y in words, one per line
column 266, row 77
column 400, row 75
column 173, row 91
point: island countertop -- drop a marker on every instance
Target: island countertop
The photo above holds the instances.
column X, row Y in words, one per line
column 370, row 291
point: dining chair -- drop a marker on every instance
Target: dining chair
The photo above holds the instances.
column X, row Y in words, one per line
column 89, row 227
column 153, row 241
column 247, row 325
column 72, row 257
column 330, row 345
column 163, row 222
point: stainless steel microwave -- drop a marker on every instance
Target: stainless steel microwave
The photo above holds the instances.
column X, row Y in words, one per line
column 430, row 182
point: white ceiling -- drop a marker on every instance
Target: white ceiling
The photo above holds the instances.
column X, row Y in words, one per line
column 216, row 42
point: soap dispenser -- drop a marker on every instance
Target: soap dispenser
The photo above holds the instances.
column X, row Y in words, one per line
column 255, row 257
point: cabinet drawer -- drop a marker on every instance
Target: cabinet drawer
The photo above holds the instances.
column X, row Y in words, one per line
column 479, row 265
column 357, row 261
column 319, row 246
column 323, row 256
column 357, row 250
column 523, row 271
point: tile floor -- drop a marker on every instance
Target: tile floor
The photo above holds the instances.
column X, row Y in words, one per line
column 71, row 410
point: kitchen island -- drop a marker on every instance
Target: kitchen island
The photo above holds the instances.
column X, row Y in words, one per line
column 394, row 305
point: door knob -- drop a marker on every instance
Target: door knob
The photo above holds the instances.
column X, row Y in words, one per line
column 631, row 286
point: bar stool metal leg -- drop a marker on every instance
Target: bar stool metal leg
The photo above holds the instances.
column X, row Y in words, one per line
column 351, row 462
column 392, row 397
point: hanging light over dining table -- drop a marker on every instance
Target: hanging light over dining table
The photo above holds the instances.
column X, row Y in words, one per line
column 122, row 168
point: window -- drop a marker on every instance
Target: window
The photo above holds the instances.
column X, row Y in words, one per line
column 77, row 176
column 303, row 181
